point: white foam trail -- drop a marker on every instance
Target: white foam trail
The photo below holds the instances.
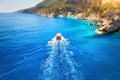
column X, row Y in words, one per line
column 71, row 65
column 48, row 67
column 56, row 46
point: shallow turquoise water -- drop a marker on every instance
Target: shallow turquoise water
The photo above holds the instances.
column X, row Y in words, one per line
column 24, row 53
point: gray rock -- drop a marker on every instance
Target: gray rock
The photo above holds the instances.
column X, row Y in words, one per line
column 110, row 26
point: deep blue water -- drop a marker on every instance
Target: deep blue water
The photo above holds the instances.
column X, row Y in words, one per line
column 25, row 54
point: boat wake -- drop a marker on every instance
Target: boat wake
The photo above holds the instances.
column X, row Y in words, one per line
column 60, row 65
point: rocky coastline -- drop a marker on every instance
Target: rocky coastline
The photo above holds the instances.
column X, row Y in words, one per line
column 106, row 25
column 105, row 14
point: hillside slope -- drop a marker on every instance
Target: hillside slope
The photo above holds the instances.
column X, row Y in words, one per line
column 59, row 7
column 105, row 12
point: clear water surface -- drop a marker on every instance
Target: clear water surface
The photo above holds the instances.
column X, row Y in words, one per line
column 26, row 52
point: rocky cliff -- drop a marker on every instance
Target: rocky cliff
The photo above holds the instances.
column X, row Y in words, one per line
column 63, row 7
column 103, row 12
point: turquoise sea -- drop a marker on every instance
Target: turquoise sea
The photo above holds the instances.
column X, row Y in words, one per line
column 28, row 51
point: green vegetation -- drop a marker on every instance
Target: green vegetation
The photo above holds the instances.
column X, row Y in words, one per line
column 87, row 7
column 107, row 10
column 63, row 5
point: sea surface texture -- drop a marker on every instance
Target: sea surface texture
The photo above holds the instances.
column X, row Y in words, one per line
column 29, row 50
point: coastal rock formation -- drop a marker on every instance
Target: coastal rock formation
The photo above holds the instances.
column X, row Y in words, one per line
column 103, row 12
column 62, row 7
column 109, row 26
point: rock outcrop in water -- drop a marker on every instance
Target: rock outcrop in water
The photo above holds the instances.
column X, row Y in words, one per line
column 109, row 26
column 104, row 12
